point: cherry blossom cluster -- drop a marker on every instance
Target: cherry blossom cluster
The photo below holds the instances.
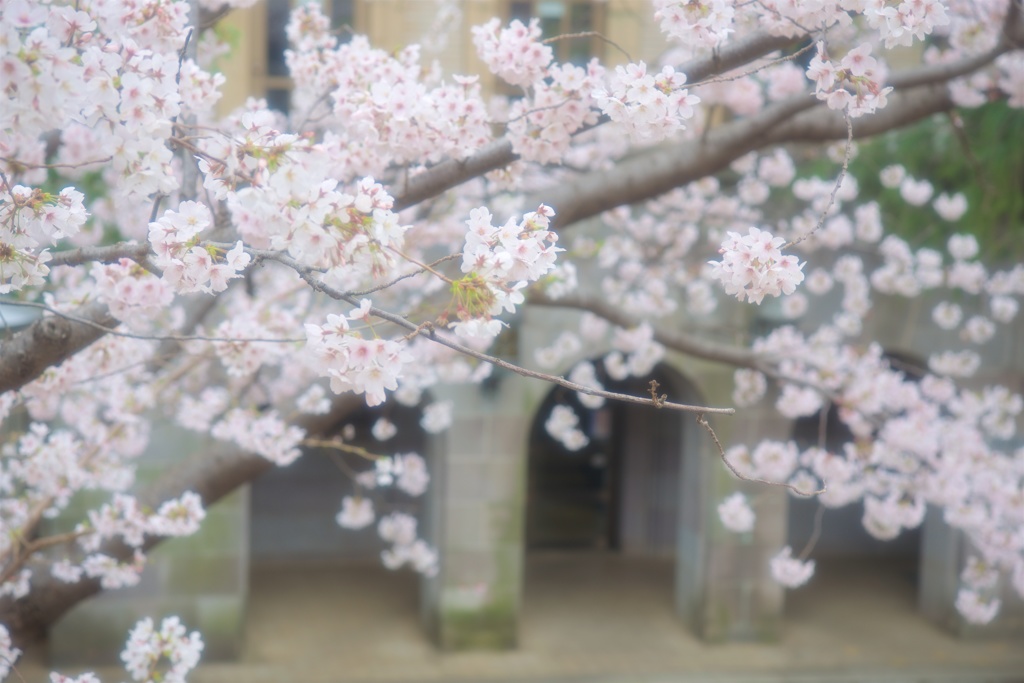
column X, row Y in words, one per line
column 893, row 466
column 98, row 399
column 706, row 23
column 513, row 53
column 905, row 22
column 107, row 73
column 133, row 293
column 499, row 262
column 563, row 426
column 353, row 363
column 855, row 84
column 30, row 219
column 187, row 265
column 383, row 110
column 790, row 571
column 124, row 519
column 541, row 126
column 753, row 266
column 266, row 434
column 356, row 512
column 8, row 653
column 770, row 460
column 736, row 514
column 399, row 529
column 649, row 107
column 167, row 654
column 283, row 193
column 406, row 471
column 640, row 260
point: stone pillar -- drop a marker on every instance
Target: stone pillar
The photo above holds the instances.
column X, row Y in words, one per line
column 724, row 590
column 944, row 553
column 475, row 517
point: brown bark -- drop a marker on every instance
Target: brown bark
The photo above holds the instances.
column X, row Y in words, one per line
column 47, row 342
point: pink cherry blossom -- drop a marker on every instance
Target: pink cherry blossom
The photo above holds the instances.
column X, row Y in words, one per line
column 736, row 514
column 790, row 571
column 753, row 266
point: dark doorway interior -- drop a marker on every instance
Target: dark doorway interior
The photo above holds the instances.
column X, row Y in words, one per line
column 620, row 491
column 841, row 536
column 294, row 507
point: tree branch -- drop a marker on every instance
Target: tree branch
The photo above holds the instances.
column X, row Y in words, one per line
column 47, row 342
column 677, row 341
column 800, row 119
column 212, row 474
column 498, row 154
column 109, row 254
column 664, row 168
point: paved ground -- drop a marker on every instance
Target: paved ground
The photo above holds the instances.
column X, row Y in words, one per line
column 604, row 621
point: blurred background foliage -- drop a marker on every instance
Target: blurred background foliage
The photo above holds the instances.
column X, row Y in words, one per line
column 978, row 152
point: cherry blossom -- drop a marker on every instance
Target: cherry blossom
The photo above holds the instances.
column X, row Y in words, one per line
column 514, row 53
column 649, row 107
column 561, row 425
column 437, row 417
column 855, row 84
column 200, row 247
column 356, row 513
column 147, row 647
column 950, row 207
column 399, row 529
column 974, row 608
column 753, row 266
column 790, row 571
column 736, row 514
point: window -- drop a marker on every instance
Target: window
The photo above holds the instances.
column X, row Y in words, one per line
column 276, row 83
column 560, row 17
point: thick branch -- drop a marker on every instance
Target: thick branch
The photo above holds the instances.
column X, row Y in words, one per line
column 109, row 254
column 211, row 474
column 677, row 341
column 48, row 342
column 735, row 54
column 904, row 108
column 666, row 167
column 801, row 119
column 452, row 173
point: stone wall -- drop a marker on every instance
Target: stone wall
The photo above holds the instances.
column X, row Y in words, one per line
column 203, row 579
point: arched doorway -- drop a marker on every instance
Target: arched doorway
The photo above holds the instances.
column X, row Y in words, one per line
column 619, row 492
column 854, row 569
column 602, row 522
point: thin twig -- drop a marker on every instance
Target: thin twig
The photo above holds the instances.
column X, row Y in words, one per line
column 343, row 447
column 151, row 337
column 703, row 422
column 588, row 34
column 819, row 514
column 79, row 164
column 398, row 279
column 309, row 275
column 835, row 188
column 750, row 72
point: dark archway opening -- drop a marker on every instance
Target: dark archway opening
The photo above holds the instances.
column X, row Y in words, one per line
column 293, row 508
column 619, row 492
column 845, row 553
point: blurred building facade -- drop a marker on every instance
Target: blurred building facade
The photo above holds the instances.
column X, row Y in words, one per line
column 647, row 485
